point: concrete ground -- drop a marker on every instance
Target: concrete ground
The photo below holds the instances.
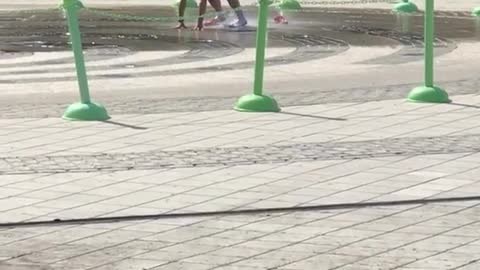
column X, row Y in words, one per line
column 440, row 4
column 348, row 176
column 318, row 155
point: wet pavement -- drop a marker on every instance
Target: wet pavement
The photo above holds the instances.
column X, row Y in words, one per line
column 312, row 33
column 313, row 53
column 46, row 31
column 343, row 138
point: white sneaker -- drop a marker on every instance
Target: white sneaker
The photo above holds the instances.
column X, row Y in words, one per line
column 238, row 24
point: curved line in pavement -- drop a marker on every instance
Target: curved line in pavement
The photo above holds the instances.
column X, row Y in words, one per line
column 308, row 47
column 201, row 50
column 91, row 55
column 412, row 49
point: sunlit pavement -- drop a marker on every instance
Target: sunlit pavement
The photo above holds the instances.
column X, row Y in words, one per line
column 348, row 176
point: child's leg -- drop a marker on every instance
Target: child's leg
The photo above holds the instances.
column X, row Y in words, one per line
column 201, row 13
column 242, row 21
column 220, row 17
column 181, row 13
column 216, row 4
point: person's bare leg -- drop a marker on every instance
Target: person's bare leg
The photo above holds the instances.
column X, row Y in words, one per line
column 216, row 5
column 242, row 21
column 181, row 13
column 202, row 9
column 220, row 17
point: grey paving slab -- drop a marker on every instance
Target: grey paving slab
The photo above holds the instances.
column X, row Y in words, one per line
column 215, row 157
column 237, row 187
column 43, row 248
column 180, row 154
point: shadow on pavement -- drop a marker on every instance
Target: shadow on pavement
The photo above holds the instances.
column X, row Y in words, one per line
column 315, row 116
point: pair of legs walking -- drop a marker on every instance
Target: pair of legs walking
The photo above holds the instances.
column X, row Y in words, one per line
column 217, row 6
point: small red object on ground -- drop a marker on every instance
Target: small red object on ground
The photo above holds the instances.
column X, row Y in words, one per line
column 280, row 19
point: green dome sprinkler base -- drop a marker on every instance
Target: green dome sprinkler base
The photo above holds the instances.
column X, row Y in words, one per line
column 405, row 7
column 289, row 5
column 257, row 103
column 425, row 94
column 476, row 12
column 86, row 112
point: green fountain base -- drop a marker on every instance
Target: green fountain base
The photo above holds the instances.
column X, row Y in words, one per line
column 476, row 12
column 405, row 7
column 86, row 112
column 427, row 94
column 289, row 5
column 257, row 103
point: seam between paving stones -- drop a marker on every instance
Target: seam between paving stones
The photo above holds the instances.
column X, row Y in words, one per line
column 375, row 219
column 406, row 121
column 369, row 183
column 370, row 220
column 338, row 213
column 307, row 124
column 225, row 195
column 247, row 128
column 360, row 122
column 82, row 136
column 144, row 189
column 114, row 229
column 446, row 191
column 466, row 264
column 75, row 193
column 357, row 241
column 277, row 180
column 184, row 192
column 98, row 187
column 435, row 254
column 231, row 245
column 131, row 135
column 426, row 238
column 173, row 125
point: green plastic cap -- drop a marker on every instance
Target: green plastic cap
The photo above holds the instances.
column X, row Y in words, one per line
column 86, row 112
column 190, row 3
column 425, row 94
column 257, row 103
column 289, row 5
column 405, row 7
column 476, row 12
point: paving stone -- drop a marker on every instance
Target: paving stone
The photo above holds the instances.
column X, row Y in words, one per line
column 269, row 154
